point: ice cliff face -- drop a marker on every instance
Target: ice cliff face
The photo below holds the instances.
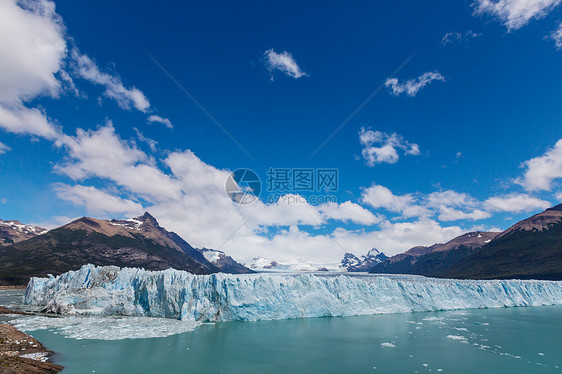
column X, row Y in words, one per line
column 224, row 297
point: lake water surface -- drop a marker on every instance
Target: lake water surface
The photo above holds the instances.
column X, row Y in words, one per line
column 507, row 340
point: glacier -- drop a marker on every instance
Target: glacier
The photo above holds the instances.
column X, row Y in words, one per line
column 176, row 294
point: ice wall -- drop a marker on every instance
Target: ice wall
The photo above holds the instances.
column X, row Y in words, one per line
column 225, row 297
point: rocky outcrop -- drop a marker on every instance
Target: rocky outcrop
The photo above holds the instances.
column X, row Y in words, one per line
column 22, row 354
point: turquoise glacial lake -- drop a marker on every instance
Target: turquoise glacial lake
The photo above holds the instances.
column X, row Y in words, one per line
column 507, row 340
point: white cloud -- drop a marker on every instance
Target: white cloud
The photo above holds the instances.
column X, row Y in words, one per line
column 541, row 171
column 452, row 214
column 412, row 86
column 381, row 197
column 152, row 144
column 515, row 203
column 166, row 122
column 559, row 196
column 190, row 197
column 4, row 148
column 20, row 119
column 32, row 45
column 380, row 147
column 98, row 152
column 448, row 205
column 69, row 85
column 348, row 211
column 450, row 198
column 101, row 153
column 33, row 63
column 557, row 37
column 125, row 97
column 294, row 243
column 284, row 62
column 293, row 209
column 96, row 201
column 400, row 236
column 454, row 37
column 515, row 14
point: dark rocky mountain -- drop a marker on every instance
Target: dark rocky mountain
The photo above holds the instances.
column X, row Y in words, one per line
column 351, row 262
column 12, row 232
column 224, row 262
column 531, row 248
column 136, row 242
column 433, row 260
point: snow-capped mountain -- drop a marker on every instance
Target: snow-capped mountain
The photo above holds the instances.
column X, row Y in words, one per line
column 223, row 261
column 135, row 242
column 305, row 266
column 267, row 264
column 261, row 263
column 12, row 232
column 351, row 262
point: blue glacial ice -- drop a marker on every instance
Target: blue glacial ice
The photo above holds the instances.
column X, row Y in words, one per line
column 250, row 297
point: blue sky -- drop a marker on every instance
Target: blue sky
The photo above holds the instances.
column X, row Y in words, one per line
column 463, row 136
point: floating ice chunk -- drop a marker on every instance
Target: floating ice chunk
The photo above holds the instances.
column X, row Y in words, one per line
column 106, row 327
column 388, row 345
column 460, row 338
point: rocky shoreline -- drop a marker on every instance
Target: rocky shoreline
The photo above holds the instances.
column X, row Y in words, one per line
column 20, row 353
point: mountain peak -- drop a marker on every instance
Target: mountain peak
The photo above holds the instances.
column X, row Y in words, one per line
column 373, row 252
column 555, row 208
column 86, row 221
column 13, row 231
column 351, row 262
column 147, row 217
column 539, row 222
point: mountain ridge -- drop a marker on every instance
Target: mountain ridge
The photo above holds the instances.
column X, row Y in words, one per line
column 428, row 261
column 529, row 249
column 134, row 242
